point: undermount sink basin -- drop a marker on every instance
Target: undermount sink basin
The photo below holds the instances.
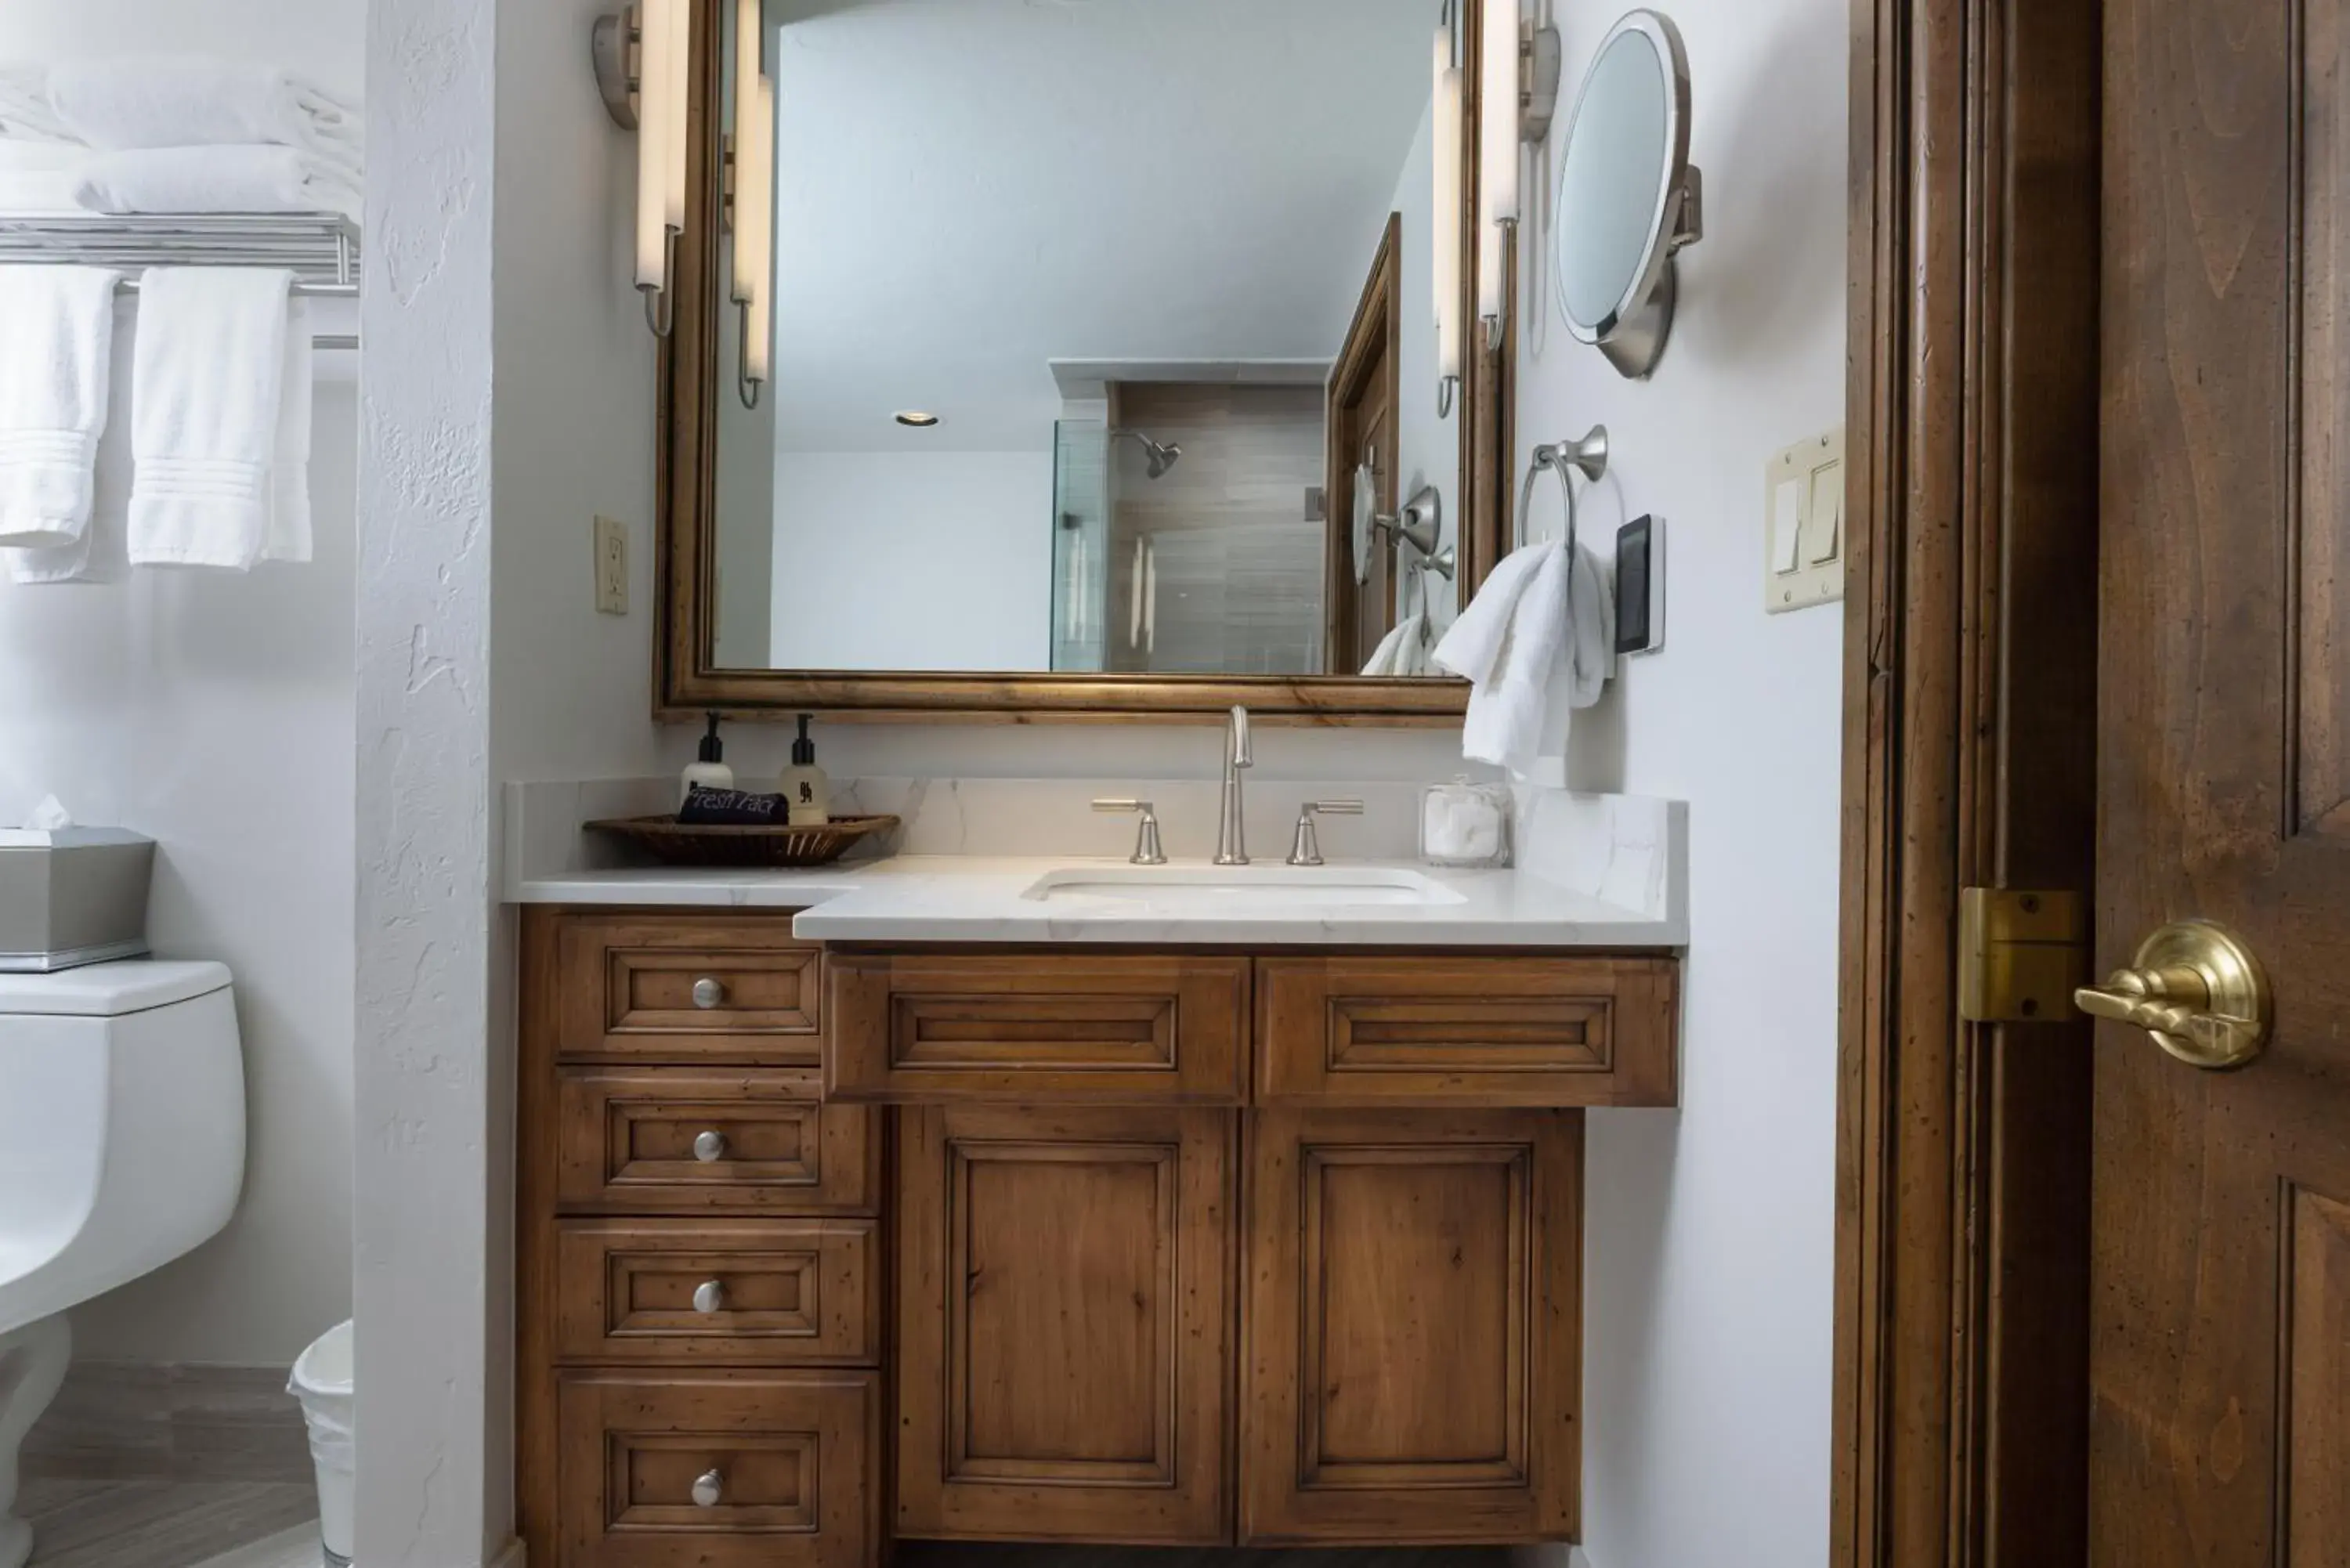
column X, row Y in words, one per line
column 1230, row 888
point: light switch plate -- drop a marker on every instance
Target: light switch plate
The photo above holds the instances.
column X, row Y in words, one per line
column 1803, row 526
column 611, row 566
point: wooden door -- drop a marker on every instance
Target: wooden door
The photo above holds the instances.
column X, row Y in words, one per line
column 1065, row 1303
column 1365, row 391
column 1412, row 1326
column 2220, row 1288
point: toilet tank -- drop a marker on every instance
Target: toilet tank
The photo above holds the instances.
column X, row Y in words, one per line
column 121, row 1126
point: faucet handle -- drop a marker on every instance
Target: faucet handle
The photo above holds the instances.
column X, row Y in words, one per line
column 1241, row 754
column 1147, row 851
column 1305, row 848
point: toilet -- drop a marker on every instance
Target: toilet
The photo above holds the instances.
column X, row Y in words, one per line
column 121, row 1147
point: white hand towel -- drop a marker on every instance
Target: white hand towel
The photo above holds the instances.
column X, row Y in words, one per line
column 289, row 467
column 1383, row 658
column 1552, row 619
column 56, row 324
column 1473, row 647
column 101, row 554
column 183, row 100
column 208, row 382
column 242, row 179
column 24, row 112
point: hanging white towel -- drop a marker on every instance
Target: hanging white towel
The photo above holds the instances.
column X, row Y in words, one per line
column 244, row 179
column 101, row 554
column 181, row 100
column 56, row 328
column 1544, row 617
column 289, row 469
column 208, row 383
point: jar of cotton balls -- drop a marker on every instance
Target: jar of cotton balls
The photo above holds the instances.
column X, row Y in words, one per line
column 1464, row 825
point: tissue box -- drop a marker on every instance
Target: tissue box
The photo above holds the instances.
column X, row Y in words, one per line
column 72, row 896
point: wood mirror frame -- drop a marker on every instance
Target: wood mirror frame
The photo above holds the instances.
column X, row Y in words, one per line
column 687, row 682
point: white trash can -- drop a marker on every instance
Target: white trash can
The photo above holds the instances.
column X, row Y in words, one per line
column 322, row 1381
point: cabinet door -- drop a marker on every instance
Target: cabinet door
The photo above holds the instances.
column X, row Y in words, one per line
column 1065, row 1345
column 1413, row 1331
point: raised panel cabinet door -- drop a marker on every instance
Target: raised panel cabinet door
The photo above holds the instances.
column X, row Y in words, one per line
column 1411, row 1356
column 1038, row 1028
column 688, row 986
column 1518, row 1031
column 732, row 1469
column 1065, row 1311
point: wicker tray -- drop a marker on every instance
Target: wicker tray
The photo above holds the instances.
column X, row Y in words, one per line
column 674, row 844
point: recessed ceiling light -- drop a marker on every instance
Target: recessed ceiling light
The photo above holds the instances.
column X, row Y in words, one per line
column 915, row 419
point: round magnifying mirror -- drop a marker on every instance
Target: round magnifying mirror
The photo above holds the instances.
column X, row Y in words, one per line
column 1627, row 197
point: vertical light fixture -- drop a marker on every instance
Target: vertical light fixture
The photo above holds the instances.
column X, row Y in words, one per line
column 652, row 30
column 1446, row 109
column 643, row 57
column 754, row 212
column 1498, row 144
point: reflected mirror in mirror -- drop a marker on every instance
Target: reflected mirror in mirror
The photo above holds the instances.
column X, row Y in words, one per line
column 1093, row 320
column 1627, row 194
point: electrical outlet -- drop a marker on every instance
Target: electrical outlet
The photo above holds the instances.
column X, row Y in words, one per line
column 611, row 566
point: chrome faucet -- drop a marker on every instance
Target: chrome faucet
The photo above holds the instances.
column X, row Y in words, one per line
column 1232, row 827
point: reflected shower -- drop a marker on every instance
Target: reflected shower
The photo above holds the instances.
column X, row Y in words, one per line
column 1160, row 457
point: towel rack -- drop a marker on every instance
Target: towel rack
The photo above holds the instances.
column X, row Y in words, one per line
column 321, row 249
column 1587, row 457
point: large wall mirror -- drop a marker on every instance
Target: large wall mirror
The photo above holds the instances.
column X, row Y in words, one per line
column 1103, row 376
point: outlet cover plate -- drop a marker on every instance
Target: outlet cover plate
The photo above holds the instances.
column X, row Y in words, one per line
column 611, row 566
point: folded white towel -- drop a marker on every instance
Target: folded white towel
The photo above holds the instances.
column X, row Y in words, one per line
column 1543, row 615
column 101, row 554
column 38, row 176
column 252, row 178
column 25, row 114
column 208, row 381
column 182, row 100
column 57, row 326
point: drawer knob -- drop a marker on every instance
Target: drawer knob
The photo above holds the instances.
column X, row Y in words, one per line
column 709, row 1488
column 710, row 1146
column 709, row 1296
column 709, row 993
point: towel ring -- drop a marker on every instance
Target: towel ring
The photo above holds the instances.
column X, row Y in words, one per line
column 1587, row 456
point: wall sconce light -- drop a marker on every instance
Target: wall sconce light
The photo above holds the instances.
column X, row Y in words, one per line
column 641, row 56
column 754, row 201
column 1518, row 96
column 1449, row 106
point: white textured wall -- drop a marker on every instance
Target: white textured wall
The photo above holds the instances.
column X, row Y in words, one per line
column 213, row 712
column 434, row 1346
column 1710, row 1229
column 893, row 560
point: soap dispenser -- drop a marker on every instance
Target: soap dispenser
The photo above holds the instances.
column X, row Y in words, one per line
column 806, row 787
column 710, row 770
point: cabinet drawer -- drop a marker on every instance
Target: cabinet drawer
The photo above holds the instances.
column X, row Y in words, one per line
column 789, row 1458
column 689, row 1140
column 1530, row 1032
column 699, row 989
column 770, row 1292
column 1037, row 1028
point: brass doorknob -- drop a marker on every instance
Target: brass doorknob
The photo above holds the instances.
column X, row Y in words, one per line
column 2196, row 989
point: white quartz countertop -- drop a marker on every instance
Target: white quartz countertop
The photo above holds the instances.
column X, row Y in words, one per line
column 975, row 899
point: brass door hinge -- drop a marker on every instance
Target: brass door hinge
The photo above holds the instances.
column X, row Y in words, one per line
column 2021, row 953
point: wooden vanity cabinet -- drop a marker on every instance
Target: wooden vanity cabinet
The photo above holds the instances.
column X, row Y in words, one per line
column 1064, row 1323
column 1177, row 1248
column 1411, row 1327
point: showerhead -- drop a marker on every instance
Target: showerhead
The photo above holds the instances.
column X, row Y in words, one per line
column 1158, row 457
